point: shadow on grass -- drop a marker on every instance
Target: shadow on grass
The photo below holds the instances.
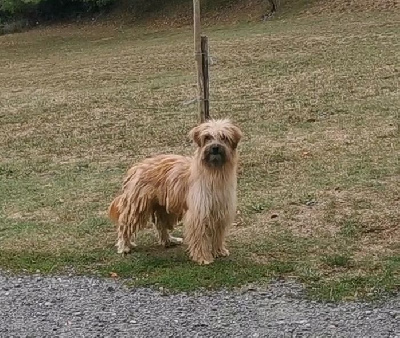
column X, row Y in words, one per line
column 145, row 267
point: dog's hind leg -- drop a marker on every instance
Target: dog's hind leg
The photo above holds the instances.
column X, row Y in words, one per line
column 164, row 223
column 127, row 231
column 124, row 244
column 126, row 238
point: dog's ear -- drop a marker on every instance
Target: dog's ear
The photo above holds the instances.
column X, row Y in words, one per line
column 236, row 136
column 194, row 134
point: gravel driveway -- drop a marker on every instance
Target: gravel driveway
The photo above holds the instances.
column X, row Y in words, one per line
column 33, row 306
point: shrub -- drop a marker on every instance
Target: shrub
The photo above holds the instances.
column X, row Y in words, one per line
column 48, row 9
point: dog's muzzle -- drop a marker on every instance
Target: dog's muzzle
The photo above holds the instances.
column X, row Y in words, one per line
column 215, row 155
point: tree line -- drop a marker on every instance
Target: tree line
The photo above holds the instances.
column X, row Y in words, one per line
column 47, row 10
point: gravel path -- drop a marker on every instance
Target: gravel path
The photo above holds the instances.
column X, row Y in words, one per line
column 88, row 307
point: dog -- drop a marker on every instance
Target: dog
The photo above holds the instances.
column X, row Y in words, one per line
column 200, row 191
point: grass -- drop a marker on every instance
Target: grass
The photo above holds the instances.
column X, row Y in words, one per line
column 317, row 99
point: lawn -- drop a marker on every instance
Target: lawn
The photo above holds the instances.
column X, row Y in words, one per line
column 317, row 98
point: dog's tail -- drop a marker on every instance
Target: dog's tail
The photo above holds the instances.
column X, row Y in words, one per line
column 113, row 210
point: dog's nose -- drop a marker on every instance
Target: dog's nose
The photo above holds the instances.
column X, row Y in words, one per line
column 215, row 150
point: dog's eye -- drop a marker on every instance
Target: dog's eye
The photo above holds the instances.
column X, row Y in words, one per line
column 223, row 138
column 207, row 138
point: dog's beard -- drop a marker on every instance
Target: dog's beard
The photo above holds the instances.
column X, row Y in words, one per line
column 215, row 160
column 215, row 156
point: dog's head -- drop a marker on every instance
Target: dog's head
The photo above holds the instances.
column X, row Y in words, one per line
column 217, row 141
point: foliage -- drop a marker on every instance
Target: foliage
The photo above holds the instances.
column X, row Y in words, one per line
column 15, row 6
column 48, row 9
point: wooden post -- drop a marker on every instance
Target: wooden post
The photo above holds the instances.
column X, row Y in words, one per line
column 201, row 56
column 206, row 84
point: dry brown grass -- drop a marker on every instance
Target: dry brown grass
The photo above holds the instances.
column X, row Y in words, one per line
column 317, row 99
column 354, row 6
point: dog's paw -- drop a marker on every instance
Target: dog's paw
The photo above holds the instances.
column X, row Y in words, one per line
column 124, row 249
column 203, row 261
column 176, row 240
column 224, row 252
column 172, row 241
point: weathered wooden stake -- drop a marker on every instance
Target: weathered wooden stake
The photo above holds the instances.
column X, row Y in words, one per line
column 206, row 84
column 201, row 56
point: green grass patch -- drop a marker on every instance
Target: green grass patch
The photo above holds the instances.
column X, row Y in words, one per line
column 172, row 271
column 369, row 287
column 337, row 261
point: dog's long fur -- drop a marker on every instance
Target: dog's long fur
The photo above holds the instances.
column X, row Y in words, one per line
column 200, row 190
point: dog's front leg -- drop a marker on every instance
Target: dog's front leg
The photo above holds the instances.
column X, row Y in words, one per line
column 219, row 246
column 199, row 241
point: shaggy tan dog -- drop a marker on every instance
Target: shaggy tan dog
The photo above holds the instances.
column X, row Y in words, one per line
column 199, row 190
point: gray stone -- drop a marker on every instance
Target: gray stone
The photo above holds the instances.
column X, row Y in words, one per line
column 90, row 307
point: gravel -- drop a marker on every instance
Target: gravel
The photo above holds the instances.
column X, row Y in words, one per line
column 36, row 306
